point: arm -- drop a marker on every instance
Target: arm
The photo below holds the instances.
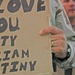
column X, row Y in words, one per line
column 60, row 47
column 60, row 32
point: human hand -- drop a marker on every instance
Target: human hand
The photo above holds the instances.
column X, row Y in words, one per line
column 58, row 39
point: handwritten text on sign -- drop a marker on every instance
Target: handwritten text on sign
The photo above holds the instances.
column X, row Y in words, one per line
column 13, row 26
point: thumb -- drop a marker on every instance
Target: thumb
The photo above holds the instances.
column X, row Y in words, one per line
column 51, row 29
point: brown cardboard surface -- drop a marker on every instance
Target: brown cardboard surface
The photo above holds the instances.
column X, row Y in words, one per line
column 22, row 50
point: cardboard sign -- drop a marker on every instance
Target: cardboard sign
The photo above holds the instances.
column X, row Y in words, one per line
column 22, row 50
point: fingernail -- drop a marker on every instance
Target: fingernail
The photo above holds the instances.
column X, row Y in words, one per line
column 40, row 32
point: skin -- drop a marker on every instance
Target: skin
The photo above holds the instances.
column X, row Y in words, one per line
column 59, row 40
column 69, row 6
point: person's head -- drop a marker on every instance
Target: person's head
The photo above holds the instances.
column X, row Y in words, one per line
column 69, row 6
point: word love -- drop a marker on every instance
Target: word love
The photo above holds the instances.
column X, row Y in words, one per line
column 14, row 5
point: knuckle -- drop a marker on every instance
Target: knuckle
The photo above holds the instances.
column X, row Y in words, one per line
column 61, row 49
column 61, row 31
column 62, row 37
column 52, row 28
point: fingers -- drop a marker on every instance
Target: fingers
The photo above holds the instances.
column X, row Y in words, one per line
column 59, row 46
column 55, row 49
column 58, row 37
column 59, row 42
column 59, row 52
column 51, row 29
